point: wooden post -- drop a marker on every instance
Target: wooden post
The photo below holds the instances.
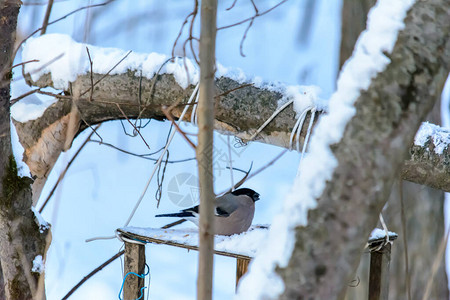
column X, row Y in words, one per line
column 241, row 268
column 134, row 262
column 379, row 273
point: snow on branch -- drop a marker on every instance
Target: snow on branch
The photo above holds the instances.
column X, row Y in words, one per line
column 122, row 85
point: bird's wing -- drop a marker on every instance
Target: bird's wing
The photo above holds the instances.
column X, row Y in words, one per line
column 226, row 205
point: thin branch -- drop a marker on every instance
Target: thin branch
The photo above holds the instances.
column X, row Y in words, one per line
column 405, row 240
column 143, row 156
column 95, row 271
column 57, row 20
column 251, row 18
column 92, row 76
column 131, row 123
column 47, row 16
column 24, row 63
column 14, row 101
column 171, row 119
column 63, row 173
column 232, row 90
column 107, row 73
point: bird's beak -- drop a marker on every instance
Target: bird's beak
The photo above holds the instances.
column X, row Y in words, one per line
column 256, row 197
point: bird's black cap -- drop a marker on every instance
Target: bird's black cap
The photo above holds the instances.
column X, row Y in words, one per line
column 248, row 192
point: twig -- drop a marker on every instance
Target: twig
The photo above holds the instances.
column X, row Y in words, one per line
column 24, row 63
column 232, row 5
column 91, row 74
column 13, row 101
column 107, row 73
column 171, row 119
column 57, row 20
column 63, row 173
column 232, row 90
column 47, row 17
column 436, row 264
column 268, row 164
column 251, row 18
column 95, row 271
column 131, row 123
column 405, row 240
column 143, row 156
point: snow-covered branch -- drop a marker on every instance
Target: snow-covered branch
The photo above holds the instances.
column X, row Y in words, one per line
column 133, row 88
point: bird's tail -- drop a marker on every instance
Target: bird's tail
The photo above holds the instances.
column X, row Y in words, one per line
column 182, row 214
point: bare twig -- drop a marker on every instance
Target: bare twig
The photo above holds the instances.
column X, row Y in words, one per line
column 232, row 90
column 232, row 5
column 171, row 119
column 47, row 16
column 131, row 123
column 57, row 20
column 63, row 173
column 436, row 263
column 24, row 63
column 95, row 271
column 268, row 164
column 91, row 75
column 251, row 18
column 13, row 101
column 405, row 240
column 143, row 156
column 106, row 74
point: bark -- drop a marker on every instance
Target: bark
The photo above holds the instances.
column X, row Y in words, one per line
column 20, row 237
column 370, row 156
column 421, row 203
column 205, row 147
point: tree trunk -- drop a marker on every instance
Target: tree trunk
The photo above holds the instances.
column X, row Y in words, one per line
column 421, row 202
column 205, row 148
column 369, row 157
column 20, row 237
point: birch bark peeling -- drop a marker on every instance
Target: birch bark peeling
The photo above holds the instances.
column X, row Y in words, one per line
column 370, row 156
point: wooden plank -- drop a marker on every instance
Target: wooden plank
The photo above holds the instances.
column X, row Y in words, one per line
column 379, row 273
column 134, row 262
column 152, row 240
column 241, row 268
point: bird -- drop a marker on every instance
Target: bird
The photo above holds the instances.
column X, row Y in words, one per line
column 234, row 212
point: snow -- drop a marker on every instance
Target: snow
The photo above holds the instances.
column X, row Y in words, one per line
column 385, row 20
column 438, row 135
column 64, row 59
column 38, row 264
column 43, row 225
column 247, row 243
column 30, row 108
column 379, row 233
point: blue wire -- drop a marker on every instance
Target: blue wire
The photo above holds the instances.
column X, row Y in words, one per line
column 138, row 275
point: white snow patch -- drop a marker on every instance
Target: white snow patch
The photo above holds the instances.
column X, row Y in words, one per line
column 30, row 108
column 379, row 233
column 64, row 59
column 440, row 137
column 43, row 225
column 385, row 20
column 247, row 243
column 38, row 264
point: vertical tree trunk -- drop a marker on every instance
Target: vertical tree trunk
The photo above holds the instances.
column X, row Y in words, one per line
column 205, row 147
column 20, row 237
column 421, row 202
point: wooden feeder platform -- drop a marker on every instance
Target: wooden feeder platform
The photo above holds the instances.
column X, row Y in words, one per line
column 243, row 247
